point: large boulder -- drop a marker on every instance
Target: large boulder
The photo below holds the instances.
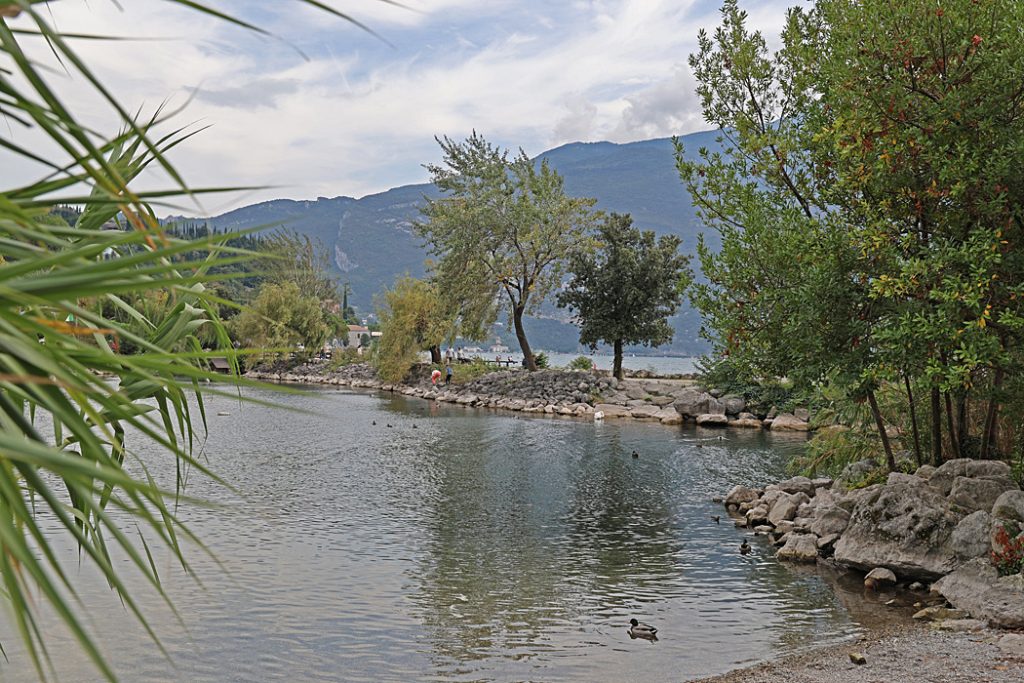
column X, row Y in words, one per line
column 694, row 402
column 829, row 521
column 977, row 588
column 798, row 485
column 971, row 536
column 789, row 422
column 945, row 475
column 712, row 420
column 973, row 494
column 739, row 495
column 905, row 527
column 734, row 405
column 799, row 548
column 611, row 410
column 786, row 506
column 1009, row 507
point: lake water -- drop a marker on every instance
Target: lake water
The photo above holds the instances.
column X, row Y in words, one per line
column 460, row 545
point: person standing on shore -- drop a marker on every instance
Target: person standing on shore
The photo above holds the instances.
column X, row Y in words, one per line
column 448, row 375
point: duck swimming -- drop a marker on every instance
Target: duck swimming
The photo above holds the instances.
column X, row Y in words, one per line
column 638, row 629
column 635, row 455
column 744, row 547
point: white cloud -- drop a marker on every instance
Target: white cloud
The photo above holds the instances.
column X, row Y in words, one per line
column 360, row 116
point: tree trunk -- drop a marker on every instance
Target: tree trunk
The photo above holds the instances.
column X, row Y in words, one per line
column 988, row 436
column 435, row 354
column 524, row 345
column 954, row 442
column 617, row 364
column 889, row 459
column 936, row 427
column 913, row 422
column 963, row 427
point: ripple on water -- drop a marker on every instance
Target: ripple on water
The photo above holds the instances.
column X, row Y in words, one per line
column 475, row 547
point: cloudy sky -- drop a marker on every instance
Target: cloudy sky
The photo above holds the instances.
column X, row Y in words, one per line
column 323, row 108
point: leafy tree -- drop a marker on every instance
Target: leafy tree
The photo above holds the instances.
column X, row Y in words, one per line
column 413, row 318
column 874, row 245
column 283, row 317
column 624, row 292
column 503, row 231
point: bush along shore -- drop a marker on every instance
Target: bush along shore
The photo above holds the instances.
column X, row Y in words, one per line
column 587, row 394
column 956, row 531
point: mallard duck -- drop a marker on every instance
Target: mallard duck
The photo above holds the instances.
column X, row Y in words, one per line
column 635, row 454
column 744, row 547
column 638, row 629
column 717, row 519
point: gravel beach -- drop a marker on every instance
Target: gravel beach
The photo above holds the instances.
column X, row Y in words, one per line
column 914, row 654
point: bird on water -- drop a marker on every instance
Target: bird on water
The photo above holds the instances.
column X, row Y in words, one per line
column 744, row 547
column 635, row 454
column 638, row 629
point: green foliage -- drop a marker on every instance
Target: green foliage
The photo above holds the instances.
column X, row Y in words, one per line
column 502, row 231
column 282, row 318
column 467, row 372
column 347, row 356
column 580, row 363
column 625, row 290
column 62, row 274
column 832, row 449
column 542, row 360
column 761, row 395
column 412, row 318
column 868, row 198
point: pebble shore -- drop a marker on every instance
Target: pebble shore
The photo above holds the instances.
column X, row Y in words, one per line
column 912, row 654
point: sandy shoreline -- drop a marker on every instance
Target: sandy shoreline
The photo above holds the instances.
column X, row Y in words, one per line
column 917, row 654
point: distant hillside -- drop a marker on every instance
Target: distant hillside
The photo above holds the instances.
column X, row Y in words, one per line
column 371, row 241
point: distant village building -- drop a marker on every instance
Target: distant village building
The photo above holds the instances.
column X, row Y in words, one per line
column 355, row 336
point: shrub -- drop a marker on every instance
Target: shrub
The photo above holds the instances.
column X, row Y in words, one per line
column 467, row 372
column 342, row 357
column 580, row 363
column 1009, row 557
column 542, row 360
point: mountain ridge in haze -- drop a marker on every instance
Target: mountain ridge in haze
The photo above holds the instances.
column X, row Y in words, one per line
column 370, row 240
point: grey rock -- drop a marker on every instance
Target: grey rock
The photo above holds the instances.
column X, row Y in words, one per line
column 802, row 414
column 662, row 401
column 822, row 483
column 798, row 485
column 881, row 576
column 977, row 588
column 943, row 477
column 939, row 613
column 925, row 471
column 971, row 536
column 789, row 422
column 734, row 405
column 826, row 543
column 962, row 625
column 784, row 526
column 757, row 516
column 693, row 402
column 978, row 493
column 712, row 420
column 645, row 411
column 831, row 521
column 905, row 527
column 772, row 413
column 1009, row 506
column 901, row 478
column 786, row 506
column 799, row 548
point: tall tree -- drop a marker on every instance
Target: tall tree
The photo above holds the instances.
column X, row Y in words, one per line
column 504, row 222
column 413, row 318
column 283, row 317
column 875, row 245
column 625, row 290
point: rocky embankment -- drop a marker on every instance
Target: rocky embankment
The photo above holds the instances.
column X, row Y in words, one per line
column 561, row 392
column 938, row 525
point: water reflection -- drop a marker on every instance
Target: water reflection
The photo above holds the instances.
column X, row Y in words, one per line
column 474, row 546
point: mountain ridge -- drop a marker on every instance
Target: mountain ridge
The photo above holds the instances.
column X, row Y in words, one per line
column 370, row 239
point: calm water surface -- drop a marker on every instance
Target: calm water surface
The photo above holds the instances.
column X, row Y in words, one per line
column 459, row 545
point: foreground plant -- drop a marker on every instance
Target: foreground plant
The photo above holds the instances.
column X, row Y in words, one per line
column 74, row 410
